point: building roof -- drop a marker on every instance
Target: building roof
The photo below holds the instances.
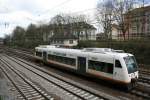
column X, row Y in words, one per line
column 75, row 25
column 138, row 11
column 141, row 9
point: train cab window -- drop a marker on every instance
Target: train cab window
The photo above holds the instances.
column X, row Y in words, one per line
column 38, row 53
column 118, row 64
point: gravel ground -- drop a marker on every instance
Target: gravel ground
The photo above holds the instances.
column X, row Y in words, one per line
column 7, row 92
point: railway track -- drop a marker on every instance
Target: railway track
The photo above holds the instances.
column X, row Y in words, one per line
column 141, row 91
column 27, row 89
column 19, row 50
column 144, row 72
column 71, row 89
column 144, row 80
column 27, row 53
column 144, row 77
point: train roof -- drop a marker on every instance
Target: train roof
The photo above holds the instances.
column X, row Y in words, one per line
column 97, row 51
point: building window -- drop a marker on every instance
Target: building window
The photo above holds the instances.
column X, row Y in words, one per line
column 70, row 41
column 61, row 41
column 148, row 27
column 133, row 28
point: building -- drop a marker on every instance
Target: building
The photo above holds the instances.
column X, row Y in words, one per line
column 68, row 40
column 47, row 35
column 100, row 36
column 115, row 31
column 1, row 41
column 114, row 34
column 85, row 31
column 138, row 21
column 81, row 30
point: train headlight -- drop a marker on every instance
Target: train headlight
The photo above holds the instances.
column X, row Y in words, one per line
column 132, row 75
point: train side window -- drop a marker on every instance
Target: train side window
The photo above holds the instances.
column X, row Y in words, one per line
column 95, row 65
column 118, row 64
column 107, row 67
column 72, row 62
column 54, row 58
column 92, row 65
column 65, row 60
column 49, row 57
column 39, row 54
column 110, row 68
column 101, row 66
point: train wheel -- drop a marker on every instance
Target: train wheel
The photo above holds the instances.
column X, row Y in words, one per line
column 134, row 84
column 129, row 87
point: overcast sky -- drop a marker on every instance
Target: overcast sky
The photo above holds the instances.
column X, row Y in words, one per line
column 24, row 12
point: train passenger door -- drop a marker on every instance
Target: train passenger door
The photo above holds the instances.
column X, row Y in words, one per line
column 82, row 64
column 44, row 56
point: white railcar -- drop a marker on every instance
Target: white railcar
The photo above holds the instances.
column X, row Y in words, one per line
column 104, row 63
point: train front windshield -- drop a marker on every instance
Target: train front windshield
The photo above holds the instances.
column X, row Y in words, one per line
column 131, row 64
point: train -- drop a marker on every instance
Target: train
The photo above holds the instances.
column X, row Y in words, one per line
column 107, row 64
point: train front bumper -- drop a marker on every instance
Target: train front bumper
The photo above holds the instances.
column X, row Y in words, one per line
column 134, row 76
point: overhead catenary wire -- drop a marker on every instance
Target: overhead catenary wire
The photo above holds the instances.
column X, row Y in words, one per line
column 38, row 21
column 86, row 10
column 59, row 5
column 56, row 6
column 77, row 12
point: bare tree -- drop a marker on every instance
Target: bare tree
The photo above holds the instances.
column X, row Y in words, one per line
column 104, row 16
column 114, row 11
column 120, row 12
column 67, row 23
